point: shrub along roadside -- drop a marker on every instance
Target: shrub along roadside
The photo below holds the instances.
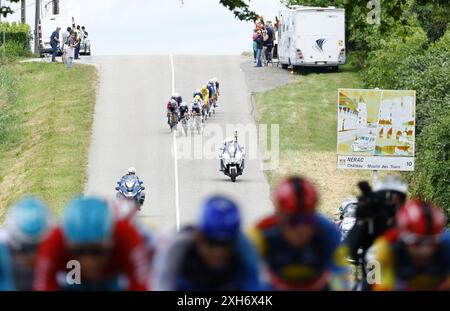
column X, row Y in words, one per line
column 52, row 113
column 412, row 65
column 18, row 38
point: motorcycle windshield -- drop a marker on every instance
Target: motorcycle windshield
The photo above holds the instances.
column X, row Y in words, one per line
column 129, row 186
column 231, row 150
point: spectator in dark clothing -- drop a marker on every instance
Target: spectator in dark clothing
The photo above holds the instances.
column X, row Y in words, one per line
column 78, row 42
column 269, row 42
column 259, row 46
column 86, row 34
column 255, row 45
column 54, row 42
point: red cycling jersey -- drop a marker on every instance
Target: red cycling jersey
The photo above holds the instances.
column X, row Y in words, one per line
column 129, row 257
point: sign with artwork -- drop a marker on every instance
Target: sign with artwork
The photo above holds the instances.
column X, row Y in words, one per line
column 377, row 127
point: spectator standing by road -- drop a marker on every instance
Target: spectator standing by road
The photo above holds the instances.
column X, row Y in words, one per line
column 71, row 45
column 255, row 45
column 268, row 42
column 259, row 46
column 65, row 36
column 54, row 42
column 78, row 42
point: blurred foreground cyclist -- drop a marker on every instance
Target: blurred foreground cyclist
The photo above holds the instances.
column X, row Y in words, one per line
column 416, row 254
column 300, row 247
column 375, row 214
column 214, row 255
column 111, row 253
column 26, row 225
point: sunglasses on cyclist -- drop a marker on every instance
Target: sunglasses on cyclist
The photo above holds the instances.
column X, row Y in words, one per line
column 297, row 220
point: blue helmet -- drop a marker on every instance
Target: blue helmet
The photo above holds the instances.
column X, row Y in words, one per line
column 27, row 222
column 220, row 219
column 87, row 220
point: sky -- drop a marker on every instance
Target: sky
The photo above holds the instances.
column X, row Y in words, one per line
column 141, row 27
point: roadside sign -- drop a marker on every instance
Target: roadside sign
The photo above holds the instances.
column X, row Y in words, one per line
column 376, row 129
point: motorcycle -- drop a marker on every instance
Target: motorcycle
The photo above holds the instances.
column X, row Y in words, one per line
column 347, row 219
column 232, row 160
column 131, row 188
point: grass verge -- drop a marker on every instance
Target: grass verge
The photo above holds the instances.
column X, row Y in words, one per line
column 306, row 112
column 45, row 128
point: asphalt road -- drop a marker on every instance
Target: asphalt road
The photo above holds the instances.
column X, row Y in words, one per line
column 130, row 129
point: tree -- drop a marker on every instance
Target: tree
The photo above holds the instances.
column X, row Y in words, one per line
column 6, row 9
column 240, row 8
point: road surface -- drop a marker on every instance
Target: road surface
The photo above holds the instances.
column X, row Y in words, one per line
column 130, row 129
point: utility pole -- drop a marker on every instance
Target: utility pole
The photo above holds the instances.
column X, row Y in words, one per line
column 23, row 11
column 36, row 27
column 0, row 10
column 55, row 7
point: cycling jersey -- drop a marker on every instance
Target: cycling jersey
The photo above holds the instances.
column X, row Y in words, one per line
column 128, row 261
column 205, row 95
column 180, row 267
column 172, row 108
column 183, row 111
column 398, row 272
column 320, row 265
column 196, row 108
column 14, row 275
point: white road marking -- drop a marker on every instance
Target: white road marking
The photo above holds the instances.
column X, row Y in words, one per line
column 175, row 156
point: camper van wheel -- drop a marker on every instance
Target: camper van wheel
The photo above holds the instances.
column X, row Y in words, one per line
column 284, row 66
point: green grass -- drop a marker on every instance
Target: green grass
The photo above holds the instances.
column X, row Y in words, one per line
column 306, row 112
column 45, row 132
column 307, row 109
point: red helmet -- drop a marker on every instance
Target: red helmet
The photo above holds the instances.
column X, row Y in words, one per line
column 421, row 219
column 296, row 195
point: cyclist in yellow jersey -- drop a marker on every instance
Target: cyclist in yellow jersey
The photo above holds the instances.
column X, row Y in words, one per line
column 205, row 93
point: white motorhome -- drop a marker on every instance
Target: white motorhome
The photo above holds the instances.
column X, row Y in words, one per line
column 48, row 25
column 312, row 36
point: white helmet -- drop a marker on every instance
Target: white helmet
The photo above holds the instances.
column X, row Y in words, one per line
column 183, row 104
column 131, row 171
column 391, row 183
column 215, row 79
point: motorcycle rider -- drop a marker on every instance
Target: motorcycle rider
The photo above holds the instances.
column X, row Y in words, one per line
column 234, row 141
column 172, row 107
column 111, row 253
column 375, row 214
column 26, row 225
column 415, row 255
column 132, row 172
column 214, row 255
column 300, row 248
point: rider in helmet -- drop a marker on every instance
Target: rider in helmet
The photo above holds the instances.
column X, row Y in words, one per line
column 27, row 224
column 206, row 94
column 375, row 214
column 211, row 86
column 111, row 253
column 301, row 249
column 172, row 107
column 415, row 255
column 226, row 143
column 216, row 82
column 177, row 97
column 214, row 255
column 184, row 110
column 199, row 93
column 131, row 174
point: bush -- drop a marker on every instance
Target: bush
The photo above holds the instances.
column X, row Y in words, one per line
column 431, row 178
column 383, row 63
column 18, row 38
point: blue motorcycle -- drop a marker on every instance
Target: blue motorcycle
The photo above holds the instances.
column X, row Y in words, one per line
column 131, row 188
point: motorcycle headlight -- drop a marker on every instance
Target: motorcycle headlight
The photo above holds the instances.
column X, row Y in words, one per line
column 129, row 185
